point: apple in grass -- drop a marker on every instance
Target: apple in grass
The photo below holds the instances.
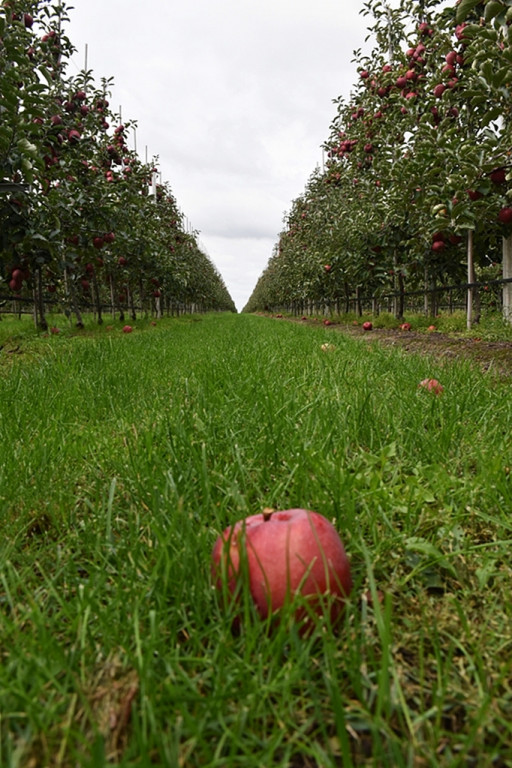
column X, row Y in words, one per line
column 278, row 555
column 367, row 326
column 431, row 385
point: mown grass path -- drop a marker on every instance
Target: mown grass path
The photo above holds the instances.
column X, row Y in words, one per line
column 124, row 456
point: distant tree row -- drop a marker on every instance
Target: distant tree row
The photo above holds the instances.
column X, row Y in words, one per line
column 84, row 223
column 416, row 190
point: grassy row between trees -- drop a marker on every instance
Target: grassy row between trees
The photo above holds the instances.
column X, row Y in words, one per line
column 124, row 456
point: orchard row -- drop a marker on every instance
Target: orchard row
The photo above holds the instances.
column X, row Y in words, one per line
column 83, row 221
column 416, row 188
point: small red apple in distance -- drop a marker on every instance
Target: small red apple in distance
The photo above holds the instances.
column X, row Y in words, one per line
column 432, row 328
column 279, row 554
column 431, row 385
column 505, row 215
column 327, row 267
column 405, row 327
column 367, row 326
column 127, row 329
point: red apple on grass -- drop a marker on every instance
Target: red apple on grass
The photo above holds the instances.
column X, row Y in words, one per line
column 127, row 329
column 367, row 326
column 431, row 385
column 405, row 327
column 279, row 555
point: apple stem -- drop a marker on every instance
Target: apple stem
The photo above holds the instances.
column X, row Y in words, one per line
column 267, row 514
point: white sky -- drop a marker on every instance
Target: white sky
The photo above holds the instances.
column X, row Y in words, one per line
column 234, row 96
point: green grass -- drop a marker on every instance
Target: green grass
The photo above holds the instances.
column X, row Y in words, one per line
column 122, row 459
column 491, row 327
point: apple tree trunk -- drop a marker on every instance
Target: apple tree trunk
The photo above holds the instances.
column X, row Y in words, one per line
column 400, row 298
column 97, row 298
column 471, row 275
column 39, row 302
column 72, row 299
column 507, row 274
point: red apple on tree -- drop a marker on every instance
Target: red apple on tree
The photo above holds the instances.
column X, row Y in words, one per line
column 278, row 555
column 505, row 215
column 498, row 175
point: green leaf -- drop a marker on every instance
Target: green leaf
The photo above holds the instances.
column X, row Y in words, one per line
column 492, row 9
column 430, row 552
column 464, row 9
column 24, row 145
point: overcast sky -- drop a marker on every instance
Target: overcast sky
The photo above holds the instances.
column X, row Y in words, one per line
column 234, row 96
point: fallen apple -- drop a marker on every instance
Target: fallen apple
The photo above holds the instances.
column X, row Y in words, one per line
column 127, row 329
column 431, row 385
column 405, row 327
column 367, row 326
column 281, row 554
column 327, row 347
